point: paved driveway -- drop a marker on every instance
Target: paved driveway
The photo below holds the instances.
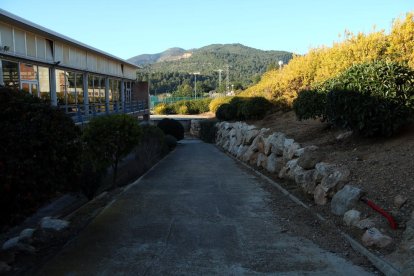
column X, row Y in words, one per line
column 197, row 213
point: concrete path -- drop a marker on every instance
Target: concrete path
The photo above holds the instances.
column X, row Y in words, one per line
column 197, row 213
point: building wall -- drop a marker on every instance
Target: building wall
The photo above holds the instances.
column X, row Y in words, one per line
column 75, row 77
column 25, row 44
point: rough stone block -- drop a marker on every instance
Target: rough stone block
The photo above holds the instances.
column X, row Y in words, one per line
column 320, row 195
column 48, row 223
column 274, row 164
column 399, row 201
column 373, row 237
column 10, row 243
column 304, row 178
column 345, row 199
column 26, row 235
column 309, row 158
column 365, row 223
column 352, row 217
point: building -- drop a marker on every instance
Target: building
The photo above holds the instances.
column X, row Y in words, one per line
column 80, row 79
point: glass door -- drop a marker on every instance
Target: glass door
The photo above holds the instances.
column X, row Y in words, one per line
column 31, row 87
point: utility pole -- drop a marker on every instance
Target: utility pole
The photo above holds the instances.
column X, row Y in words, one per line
column 195, row 83
column 219, row 71
column 227, row 79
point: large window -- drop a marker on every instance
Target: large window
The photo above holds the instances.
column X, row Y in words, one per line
column 114, row 94
column 44, row 82
column 10, row 74
column 61, row 84
column 127, row 91
column 96, row 93
column 69, row 90
column 79, row 88
column 29, row 79
column 28, row 72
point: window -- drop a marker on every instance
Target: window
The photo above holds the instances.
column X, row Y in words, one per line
column 44, row 83
column 10, row 74
column 61, row 83
column 114, row 93
column 28, row 72
column 71, row 88
column 79, row 87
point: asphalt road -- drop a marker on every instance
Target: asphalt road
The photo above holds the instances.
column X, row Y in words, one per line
column 197, row 212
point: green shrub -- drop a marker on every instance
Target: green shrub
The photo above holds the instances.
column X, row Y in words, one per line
column 108, row 139
column 208, row 131
column 244, row 108
column 162, row 109
column 39, row 154
column 170, row 141
column 151, row 147
column 253, row 108
column 310, row 104
column 217, row 102
column 237, row 103
column 183, row 110
column 200, row 106
column 190, row 106
column 172, row 127
column 226, row 112
column 372, row 98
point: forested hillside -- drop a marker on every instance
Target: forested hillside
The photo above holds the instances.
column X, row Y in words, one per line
column 245, row 66
column 321, row 64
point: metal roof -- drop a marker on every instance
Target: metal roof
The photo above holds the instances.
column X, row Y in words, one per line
column 28, row 25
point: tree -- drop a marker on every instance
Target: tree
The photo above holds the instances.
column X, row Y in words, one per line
column 184, row 90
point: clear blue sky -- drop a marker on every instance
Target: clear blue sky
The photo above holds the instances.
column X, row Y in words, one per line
column 128, row 28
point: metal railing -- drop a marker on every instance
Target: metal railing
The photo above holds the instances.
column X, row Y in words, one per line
column 82, row 113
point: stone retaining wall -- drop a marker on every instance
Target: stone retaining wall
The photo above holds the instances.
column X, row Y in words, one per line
column 284, row 157
column 287, row 159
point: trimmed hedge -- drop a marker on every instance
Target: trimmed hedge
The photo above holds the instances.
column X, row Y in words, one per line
column 172, row 127
column 170, row 141
column 240, row 108
column 151, row 147
column 217, row 102
column 208, row 131
column 254, row 108
column 310, row 104
column 184, row 107
column 39, row 154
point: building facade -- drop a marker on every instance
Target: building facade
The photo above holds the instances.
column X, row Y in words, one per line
column 81, row 80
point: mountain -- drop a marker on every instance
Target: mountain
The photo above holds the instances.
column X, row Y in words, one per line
column 243, row 65
column 167, row 55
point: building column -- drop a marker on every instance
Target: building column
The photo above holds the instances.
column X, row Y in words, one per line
column 1, row 74
column 123, row 95
column 86, row 93
column 107, row 95
column 53, row 96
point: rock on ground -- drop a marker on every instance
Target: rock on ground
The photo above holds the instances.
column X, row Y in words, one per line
column 373, row 237
column 49, row 223
column 345, row 199
column 352, row 217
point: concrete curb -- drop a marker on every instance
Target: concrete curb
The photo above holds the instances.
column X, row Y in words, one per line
column 381, row 264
